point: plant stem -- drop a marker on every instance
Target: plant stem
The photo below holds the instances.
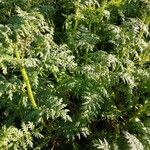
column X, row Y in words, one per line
column 28, row 85
column 26, row 80
column 77, row 4
column 29, row 90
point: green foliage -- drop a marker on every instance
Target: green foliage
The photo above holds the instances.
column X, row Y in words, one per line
column 86, row 66
column 13, row 138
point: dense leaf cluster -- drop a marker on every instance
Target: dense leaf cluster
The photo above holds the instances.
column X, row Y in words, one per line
column 75, row 74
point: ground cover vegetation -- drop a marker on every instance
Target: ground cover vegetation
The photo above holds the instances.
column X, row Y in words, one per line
column 75, row 74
